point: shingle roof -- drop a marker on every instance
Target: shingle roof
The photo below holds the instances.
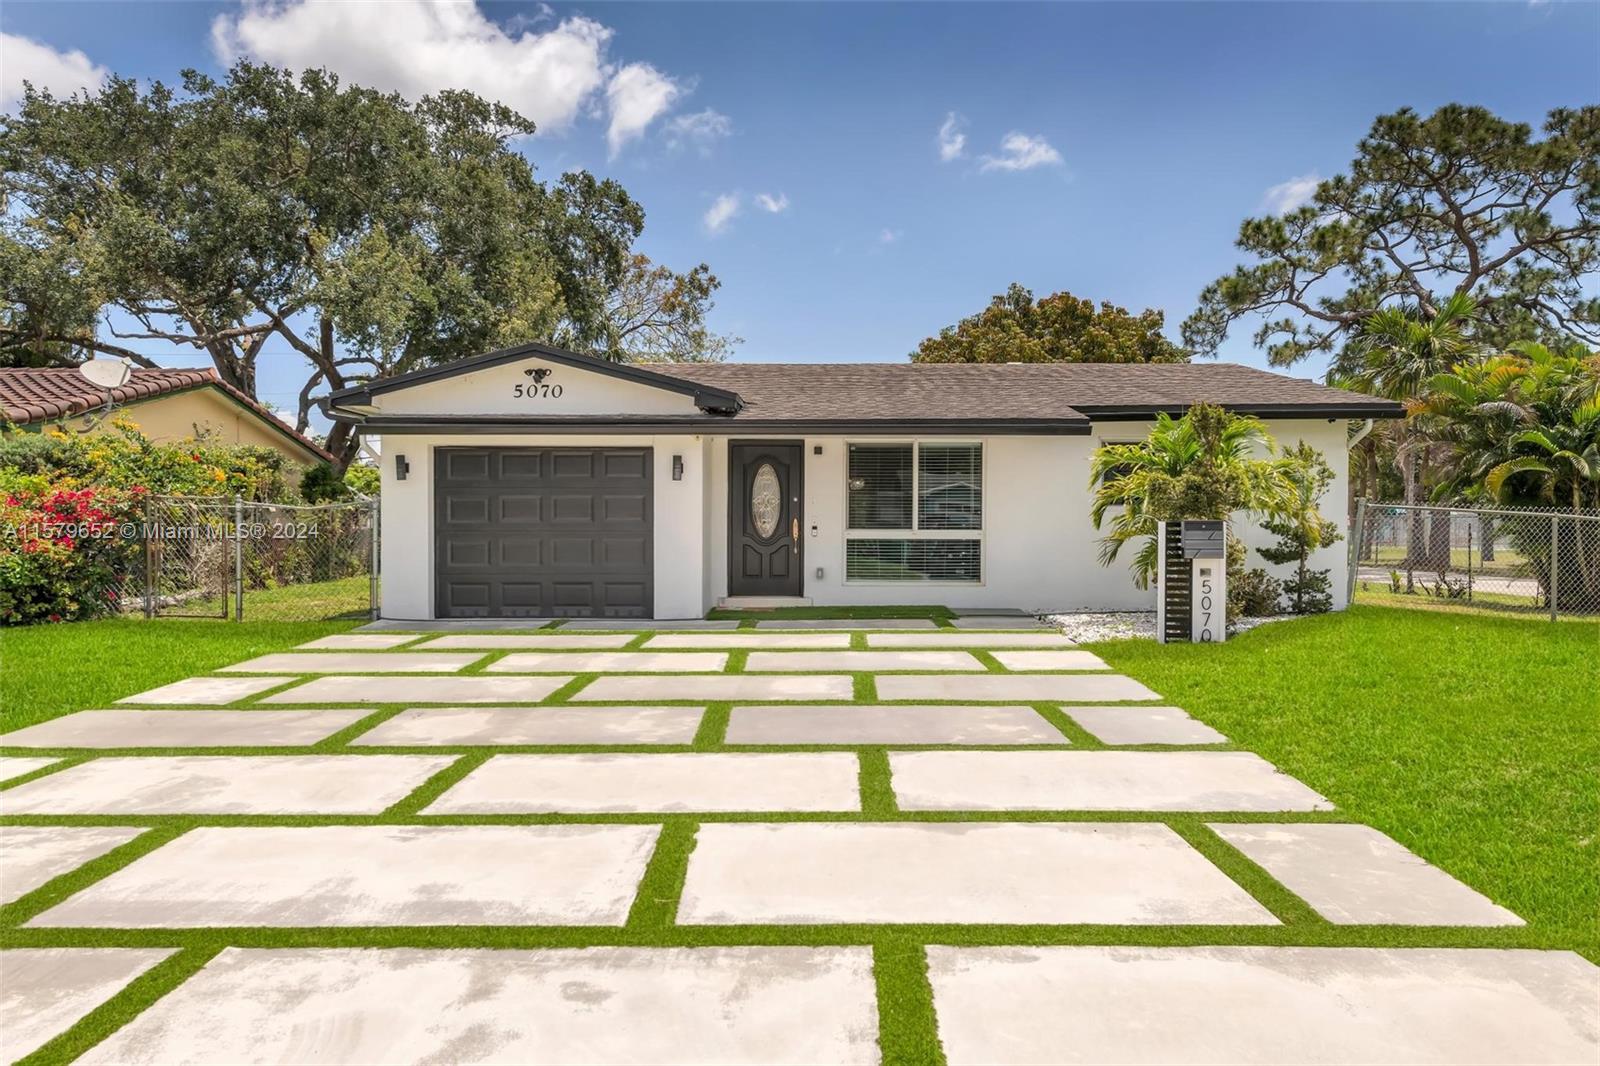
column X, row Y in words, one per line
column 47, row 394
column 937, row 391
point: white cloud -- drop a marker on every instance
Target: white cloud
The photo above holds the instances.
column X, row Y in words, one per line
column 638, row 94
column 25, row 60
column 722, row 212
column 549, row 73
column 1288, row 195
column 952, row 137
column 701, row 130
column 776, row 204
column 1019, row 151
column 888, row 236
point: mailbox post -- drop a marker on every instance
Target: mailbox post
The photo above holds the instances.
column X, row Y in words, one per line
column 1193, row 581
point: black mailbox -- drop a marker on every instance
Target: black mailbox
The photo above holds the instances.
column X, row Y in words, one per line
column 1203, row 538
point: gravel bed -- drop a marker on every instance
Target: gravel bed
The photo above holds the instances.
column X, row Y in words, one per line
column 1091, row 626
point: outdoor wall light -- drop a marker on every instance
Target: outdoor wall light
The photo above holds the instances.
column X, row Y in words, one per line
column 677, row 468
column 401, row 468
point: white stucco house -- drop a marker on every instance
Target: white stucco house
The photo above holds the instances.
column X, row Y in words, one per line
column 537, row 483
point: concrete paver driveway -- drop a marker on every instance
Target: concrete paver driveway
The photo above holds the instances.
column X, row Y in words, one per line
column 784, row 842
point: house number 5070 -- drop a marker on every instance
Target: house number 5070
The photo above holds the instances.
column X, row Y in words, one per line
column 536, row 392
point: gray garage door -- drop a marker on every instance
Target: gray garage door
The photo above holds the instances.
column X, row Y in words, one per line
column 542, row 532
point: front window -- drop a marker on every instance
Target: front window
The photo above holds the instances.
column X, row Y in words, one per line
column 915, row 512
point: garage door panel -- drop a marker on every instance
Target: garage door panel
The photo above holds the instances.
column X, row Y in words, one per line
column 527, row 532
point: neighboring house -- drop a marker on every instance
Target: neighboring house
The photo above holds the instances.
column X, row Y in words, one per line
column 166, row 404
column 534, row 483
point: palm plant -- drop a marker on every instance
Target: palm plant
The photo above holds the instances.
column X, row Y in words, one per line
column 1395, row 355
column 1203, row 465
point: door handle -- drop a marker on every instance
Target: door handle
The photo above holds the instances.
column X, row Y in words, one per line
column 794, row 534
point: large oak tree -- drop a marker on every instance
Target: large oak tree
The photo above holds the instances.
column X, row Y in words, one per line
column 266, row 214
column 1460, row 203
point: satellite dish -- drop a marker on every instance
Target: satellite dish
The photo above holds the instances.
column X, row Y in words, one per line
column 106, row 373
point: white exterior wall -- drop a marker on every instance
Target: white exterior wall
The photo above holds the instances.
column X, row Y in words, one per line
column 1040, row 549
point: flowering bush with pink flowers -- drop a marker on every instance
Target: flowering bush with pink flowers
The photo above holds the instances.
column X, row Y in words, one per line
column 63, row 551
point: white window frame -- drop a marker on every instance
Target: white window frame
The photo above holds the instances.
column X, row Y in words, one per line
column 981, row 534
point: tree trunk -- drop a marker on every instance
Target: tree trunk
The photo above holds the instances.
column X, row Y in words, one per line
column 1486, row 533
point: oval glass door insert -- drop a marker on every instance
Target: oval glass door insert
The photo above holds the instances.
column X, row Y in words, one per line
column 766, row 501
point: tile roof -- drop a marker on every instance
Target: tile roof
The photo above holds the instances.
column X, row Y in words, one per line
column 47, row 394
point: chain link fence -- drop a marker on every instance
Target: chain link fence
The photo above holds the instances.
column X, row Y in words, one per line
column 216, row 558
column 1522, row 560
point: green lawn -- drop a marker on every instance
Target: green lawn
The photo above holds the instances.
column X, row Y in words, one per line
column 49, row 670
column 1473, row 741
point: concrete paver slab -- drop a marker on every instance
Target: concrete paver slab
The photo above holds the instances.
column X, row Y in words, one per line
column 16, row 765
column 354, row 662
column 419, row 626
column 473, row 688
column 991, row 622
column 666, row 625
column 555, row 640
column 422, row 726
column 1155, row 1005
column 226, row 784
column 990, row 612
column 1354, row 875
column 813, row 661
column 1013, row 687
column 846, row 623
column 1010, row 688
column 578, row 662
column 1095, row 781
column 823, row 873
column 890, row 724
column 358, row 642
column 376, row 875
column 582, row 1006
column 945, row 639
column 1143, row 725
column 675, row 783
column 746, row 639
column 1050, row 660
column 30, row 855
column 206, row 691
column 712, row 687
column 183, row 729
column 47, row 990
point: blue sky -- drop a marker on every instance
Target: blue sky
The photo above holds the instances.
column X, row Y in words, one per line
column 1144, row 132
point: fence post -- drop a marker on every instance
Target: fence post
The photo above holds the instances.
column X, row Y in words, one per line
column 1357, row 534
column 149, row 559
column 372, row 558
column 238, row 559
column 1555, row 566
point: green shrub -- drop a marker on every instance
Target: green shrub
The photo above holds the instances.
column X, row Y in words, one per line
column 63, row 552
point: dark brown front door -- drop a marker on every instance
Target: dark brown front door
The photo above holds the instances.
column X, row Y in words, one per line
column 765, row 489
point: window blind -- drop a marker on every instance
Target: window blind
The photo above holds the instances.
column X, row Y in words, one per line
column 888, row 559
column 880, row 486
column 950, row 486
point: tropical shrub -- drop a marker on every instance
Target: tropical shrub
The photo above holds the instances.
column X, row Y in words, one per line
column 1301, row 530
column 1523, row 429
column 63, row 552
column 1203, row 465
column 1252, row 593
